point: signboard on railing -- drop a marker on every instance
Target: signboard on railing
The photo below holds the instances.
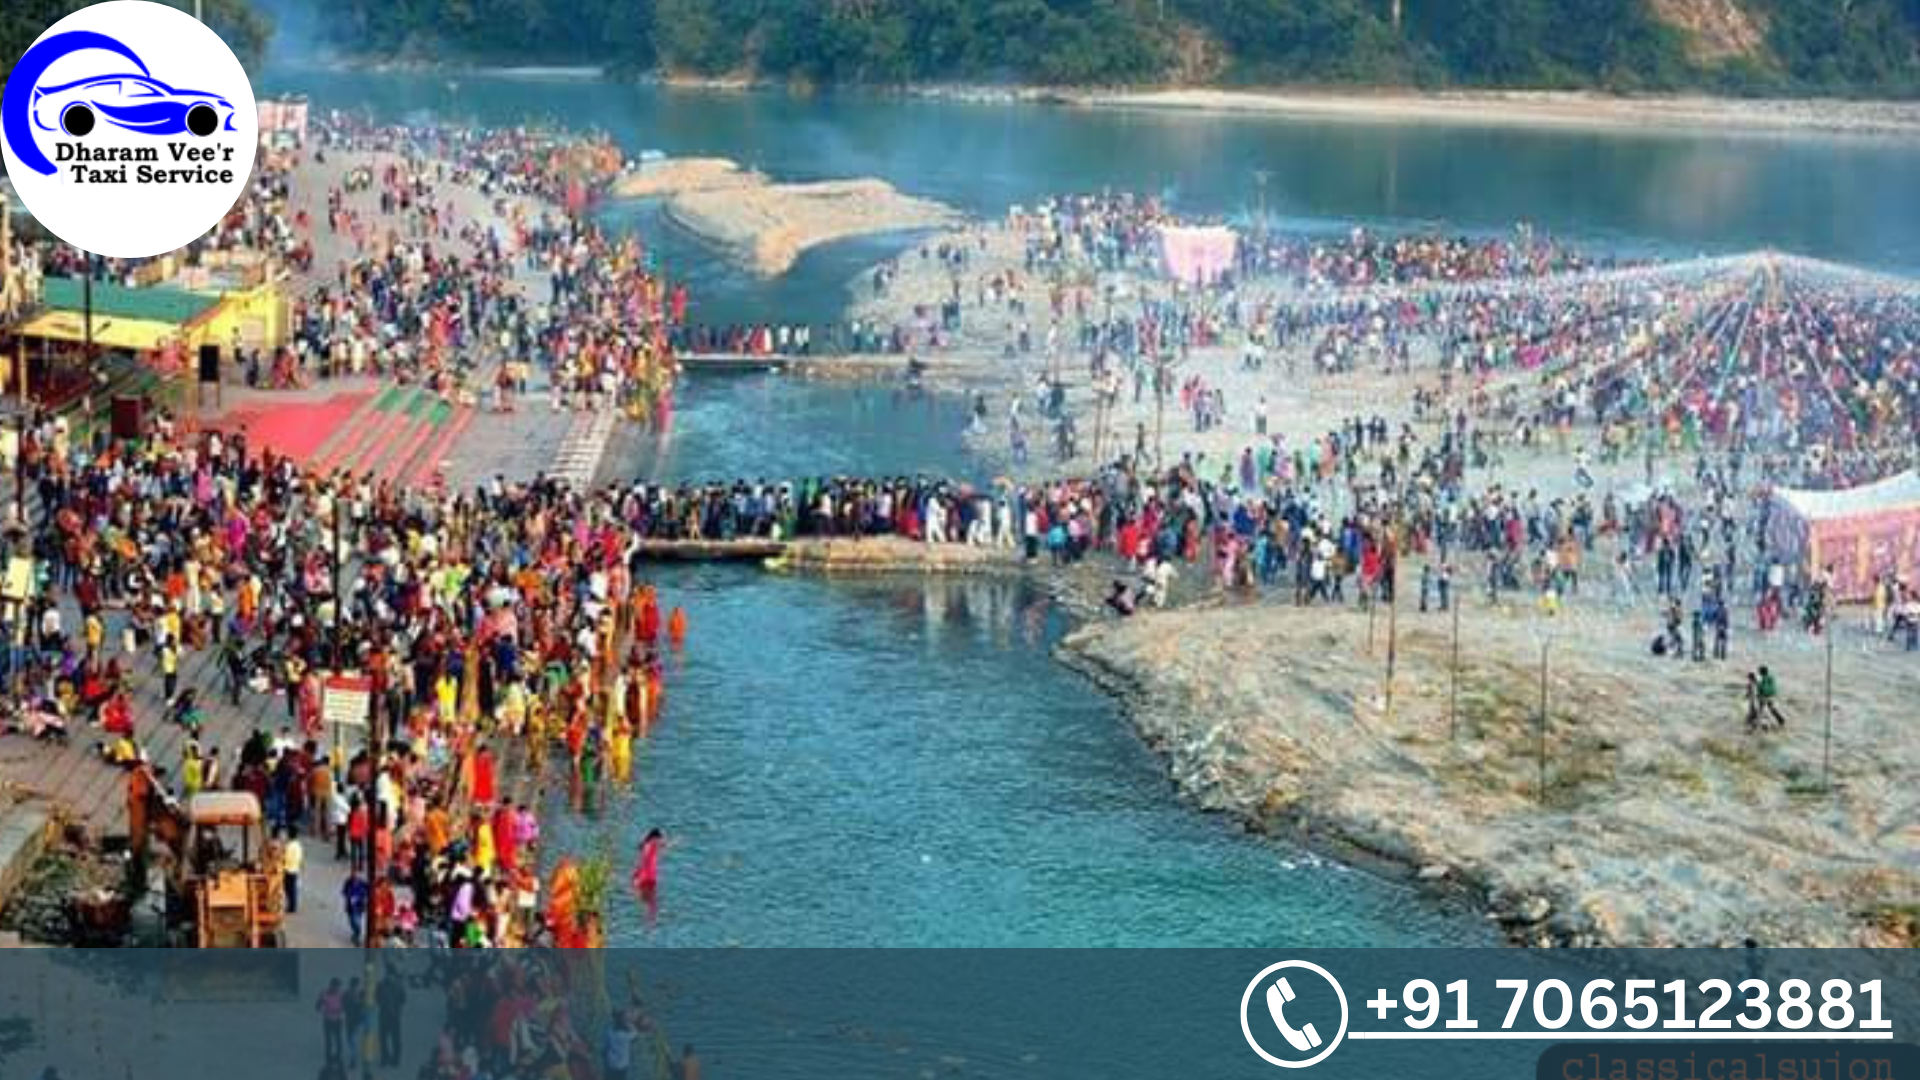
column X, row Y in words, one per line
column 344, row 699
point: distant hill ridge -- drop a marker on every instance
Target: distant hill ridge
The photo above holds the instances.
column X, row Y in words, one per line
column 1865, row 48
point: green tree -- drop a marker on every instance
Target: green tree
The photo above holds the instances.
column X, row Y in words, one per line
column 244, row 27
column 1846, row 45
column 21, row 21
column 691, row 37
column 1284, row 41
column 1856, row 46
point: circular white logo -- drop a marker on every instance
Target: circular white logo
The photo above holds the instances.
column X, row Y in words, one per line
column 129, row 129
column 1291, row 1024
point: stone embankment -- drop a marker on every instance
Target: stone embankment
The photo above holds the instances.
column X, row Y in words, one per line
column 889, row 555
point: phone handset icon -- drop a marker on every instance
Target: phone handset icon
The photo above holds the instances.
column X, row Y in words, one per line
column 1302, row 1038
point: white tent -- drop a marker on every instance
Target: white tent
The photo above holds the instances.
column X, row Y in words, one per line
column 1860, row 533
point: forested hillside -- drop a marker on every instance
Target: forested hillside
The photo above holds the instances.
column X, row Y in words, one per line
column 1859, row 47
column 1794, row 46
column 245, row 28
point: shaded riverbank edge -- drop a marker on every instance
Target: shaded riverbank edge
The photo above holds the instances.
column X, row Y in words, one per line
column 1660, row 825
column 1169, row 730
column 1568, row 110
column 1689, row 114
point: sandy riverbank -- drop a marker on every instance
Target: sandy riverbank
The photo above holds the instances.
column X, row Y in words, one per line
column 767, row 226
column 983, row 356
column 1665, row 822
column 1517, row 108
column 1568, row 109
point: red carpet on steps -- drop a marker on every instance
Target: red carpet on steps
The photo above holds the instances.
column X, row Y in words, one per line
column 297, row 430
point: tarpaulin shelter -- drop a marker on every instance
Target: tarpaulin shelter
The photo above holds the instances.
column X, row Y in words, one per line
column 1861, row 534
column 109, row 331
column 158, row 326
column 1198, row 255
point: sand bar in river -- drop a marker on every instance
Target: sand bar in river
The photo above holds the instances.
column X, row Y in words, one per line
column 767, row 226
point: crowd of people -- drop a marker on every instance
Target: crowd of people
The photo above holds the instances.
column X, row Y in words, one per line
column 562, row 168
column 1752, row 374
column 444, row 234
column 510, row 624
column 184, row 574
column 854, row 336
column 432, row 296
column 1123, row 231
column 505, row 624
column 535, row 1013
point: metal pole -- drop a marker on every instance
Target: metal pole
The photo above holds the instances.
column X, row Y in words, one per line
column 1371, row 608
column 86, row 357
column 339, row 511
column 1099, row 419
column 377, row 742
column 20, row 466
column 1393, row 611
column 1826, row 752
column 1453, row 699
column 1160, row 408
column 1544, row 647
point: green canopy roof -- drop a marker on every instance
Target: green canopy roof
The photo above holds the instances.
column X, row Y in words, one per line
column 155, row 303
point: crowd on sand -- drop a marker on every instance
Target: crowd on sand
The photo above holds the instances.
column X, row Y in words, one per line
column 1121, row 230
column 1695, row 391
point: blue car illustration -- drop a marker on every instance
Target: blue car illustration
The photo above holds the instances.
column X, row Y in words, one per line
column 133, row 102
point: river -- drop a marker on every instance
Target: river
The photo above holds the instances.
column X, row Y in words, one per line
column 1677, row 193
column 900, row 763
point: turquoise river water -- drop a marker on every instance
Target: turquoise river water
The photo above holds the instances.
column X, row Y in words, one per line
column 899, row 762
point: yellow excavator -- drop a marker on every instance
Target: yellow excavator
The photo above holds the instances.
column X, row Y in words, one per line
column 225, row 889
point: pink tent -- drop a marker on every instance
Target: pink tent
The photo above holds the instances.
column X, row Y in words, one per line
column 1198, row 256
column 1862, row 533
column 283, row 118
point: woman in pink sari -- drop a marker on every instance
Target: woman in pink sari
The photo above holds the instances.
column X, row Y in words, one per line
column 309, row 705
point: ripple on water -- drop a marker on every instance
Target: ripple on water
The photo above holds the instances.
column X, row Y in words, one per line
column 902, row 764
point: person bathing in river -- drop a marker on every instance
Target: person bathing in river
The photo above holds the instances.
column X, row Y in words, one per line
column 646, row 874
